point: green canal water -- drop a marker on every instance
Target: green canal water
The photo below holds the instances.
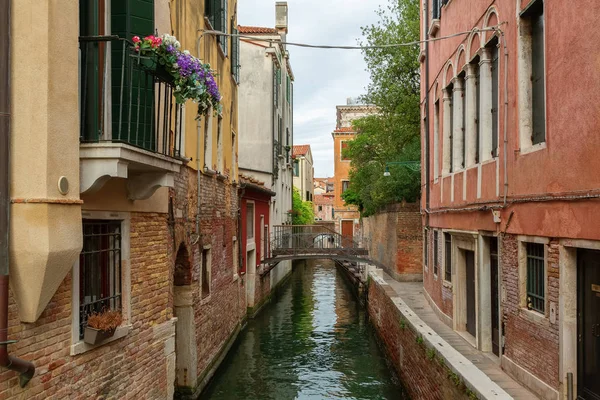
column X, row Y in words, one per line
column 313, row 341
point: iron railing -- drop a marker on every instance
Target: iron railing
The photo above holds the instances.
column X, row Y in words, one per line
column 121, row 100
column 292, row 240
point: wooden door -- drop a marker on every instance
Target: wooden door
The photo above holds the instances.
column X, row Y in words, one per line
column 588, row 329
column 470, row 266
column 495, row 287
column 347, row 232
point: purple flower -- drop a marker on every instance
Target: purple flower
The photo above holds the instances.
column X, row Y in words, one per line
column 170, row 49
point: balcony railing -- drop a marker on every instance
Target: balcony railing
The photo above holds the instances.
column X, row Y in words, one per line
column 121, row 101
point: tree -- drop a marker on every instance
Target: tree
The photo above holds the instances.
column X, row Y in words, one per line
column 393, row 133
column 303, row 212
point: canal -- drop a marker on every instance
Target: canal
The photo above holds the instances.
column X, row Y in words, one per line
column 313, row 341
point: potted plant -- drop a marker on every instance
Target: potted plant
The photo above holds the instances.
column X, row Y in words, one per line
column 101, row 326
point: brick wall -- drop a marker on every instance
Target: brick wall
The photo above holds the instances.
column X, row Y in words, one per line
column 438, row 291
column 394, row 238
column 219, row 315
column 422, row 374
column 534, row 345
column 134, row 367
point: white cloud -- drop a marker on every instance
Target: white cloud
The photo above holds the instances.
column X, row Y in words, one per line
column 323, row 78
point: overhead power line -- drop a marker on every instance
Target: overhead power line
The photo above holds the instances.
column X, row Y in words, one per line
column 320, row 46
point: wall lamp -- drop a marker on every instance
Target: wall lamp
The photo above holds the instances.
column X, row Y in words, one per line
column 412, row 165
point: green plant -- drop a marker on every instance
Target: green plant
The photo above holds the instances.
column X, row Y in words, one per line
column 302, row 211
column 419, row 340
column 471, row 394
column 454, row 378
column 430, row 353
column 402, row 323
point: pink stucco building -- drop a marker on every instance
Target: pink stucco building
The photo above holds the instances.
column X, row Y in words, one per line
column 511, row 185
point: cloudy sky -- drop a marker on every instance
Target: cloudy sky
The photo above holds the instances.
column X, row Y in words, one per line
column 323, row 78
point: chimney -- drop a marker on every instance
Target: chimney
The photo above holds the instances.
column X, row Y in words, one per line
column 281, row 17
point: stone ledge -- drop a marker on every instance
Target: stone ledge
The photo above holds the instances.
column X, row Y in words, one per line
column 473, row 378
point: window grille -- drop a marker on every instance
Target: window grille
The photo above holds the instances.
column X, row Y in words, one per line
column 535, row 277
column 99, row 269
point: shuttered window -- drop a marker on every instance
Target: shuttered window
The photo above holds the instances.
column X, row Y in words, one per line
column 435, row 253
column 538, row 89
column 425, row 249
column 448, row 257
column 436, row 9
column 477, row 109
column 223, row 40
column 450, row 89
column 495, row 92
column 235, row 53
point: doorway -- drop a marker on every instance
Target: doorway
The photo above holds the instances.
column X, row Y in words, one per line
column 347, row 232
column 470, row 286
column 588, row 324
column 494, row 292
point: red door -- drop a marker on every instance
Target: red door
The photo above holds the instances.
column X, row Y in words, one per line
column 347, row 233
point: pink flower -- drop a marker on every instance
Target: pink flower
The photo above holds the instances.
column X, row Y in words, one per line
column 136, row 39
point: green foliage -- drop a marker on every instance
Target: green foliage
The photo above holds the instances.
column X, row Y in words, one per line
column 392, row 134
column 419, row 340
column 303, row 212
column 430, row 353
column 402, row 323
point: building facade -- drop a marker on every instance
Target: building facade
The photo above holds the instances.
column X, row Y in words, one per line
column 266, row 118
column 90, row 228
column 323, row 206
column 303, row 171
column 346, row 216
column 511, row 249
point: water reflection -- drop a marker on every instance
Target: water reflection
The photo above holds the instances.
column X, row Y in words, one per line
column 313, row 342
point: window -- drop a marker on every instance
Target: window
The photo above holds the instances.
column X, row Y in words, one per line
column 235, row 53
column 495, row 92
column 435, row 253
column 320, row 208
column 250, row 221
column 477, row 110
column 458, row 123
column 216, row 13
column 448, row 257
column 345, row 185
column 296, row 168
column 448, row 137
column 531, row 68
column 344, row 146
column 99, row 269
column 206, row 264
column 276, row 82
column 287, row 143
column 208, row 140
column 220, row 166
column 265, row 241
column 233, row 157
column 535, row 277
column 288, row 88
column 263, row 238
column 436, row 9
column 425, row 248
column 538, row 89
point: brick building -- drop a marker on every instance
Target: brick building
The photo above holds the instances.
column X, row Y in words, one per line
column 511, row 254
column 323, row 206
column 346, row 216
column 303, row 171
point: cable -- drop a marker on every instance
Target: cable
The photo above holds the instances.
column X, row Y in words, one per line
column 316, row 46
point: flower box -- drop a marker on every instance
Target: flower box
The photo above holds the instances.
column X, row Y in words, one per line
column 151, row 65
column 94, row 336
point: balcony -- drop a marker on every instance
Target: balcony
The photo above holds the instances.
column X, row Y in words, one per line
column 131, row 127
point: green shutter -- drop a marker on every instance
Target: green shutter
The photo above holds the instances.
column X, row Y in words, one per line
column 131, row 18
column 223, row 39
column 537, row 79
column 235, row 54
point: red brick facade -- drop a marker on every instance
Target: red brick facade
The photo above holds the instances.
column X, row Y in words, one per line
column 423, row 376
column 133, row 367
column 438, row 291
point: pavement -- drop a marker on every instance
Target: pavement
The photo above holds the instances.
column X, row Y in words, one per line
column 411, row 293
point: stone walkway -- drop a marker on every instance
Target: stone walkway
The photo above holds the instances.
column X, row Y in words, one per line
column 412, row 294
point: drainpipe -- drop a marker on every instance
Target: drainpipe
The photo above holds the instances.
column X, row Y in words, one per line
column 505, row 113
column 25, row 368
column 427, row 188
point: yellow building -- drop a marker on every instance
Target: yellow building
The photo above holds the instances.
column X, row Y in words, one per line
column 105, row 210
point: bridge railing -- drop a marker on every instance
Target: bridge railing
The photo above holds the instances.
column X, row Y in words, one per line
column 310, row 239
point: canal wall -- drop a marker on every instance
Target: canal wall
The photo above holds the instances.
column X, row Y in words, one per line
column 427, row 365
column 394, row 238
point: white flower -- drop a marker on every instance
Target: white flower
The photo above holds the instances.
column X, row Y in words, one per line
column 186, row 52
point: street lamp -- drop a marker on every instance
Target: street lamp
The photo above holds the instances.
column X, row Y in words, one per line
column 413, row 165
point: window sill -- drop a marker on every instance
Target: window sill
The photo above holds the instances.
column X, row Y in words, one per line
column 533, row 148
column 220, row 49
column 435, row 277
column 447, row 284
column 534, row 316
column 434, row 28
column 235, row 277
column 82, row 347
column 208, row 171
column 205, row 300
